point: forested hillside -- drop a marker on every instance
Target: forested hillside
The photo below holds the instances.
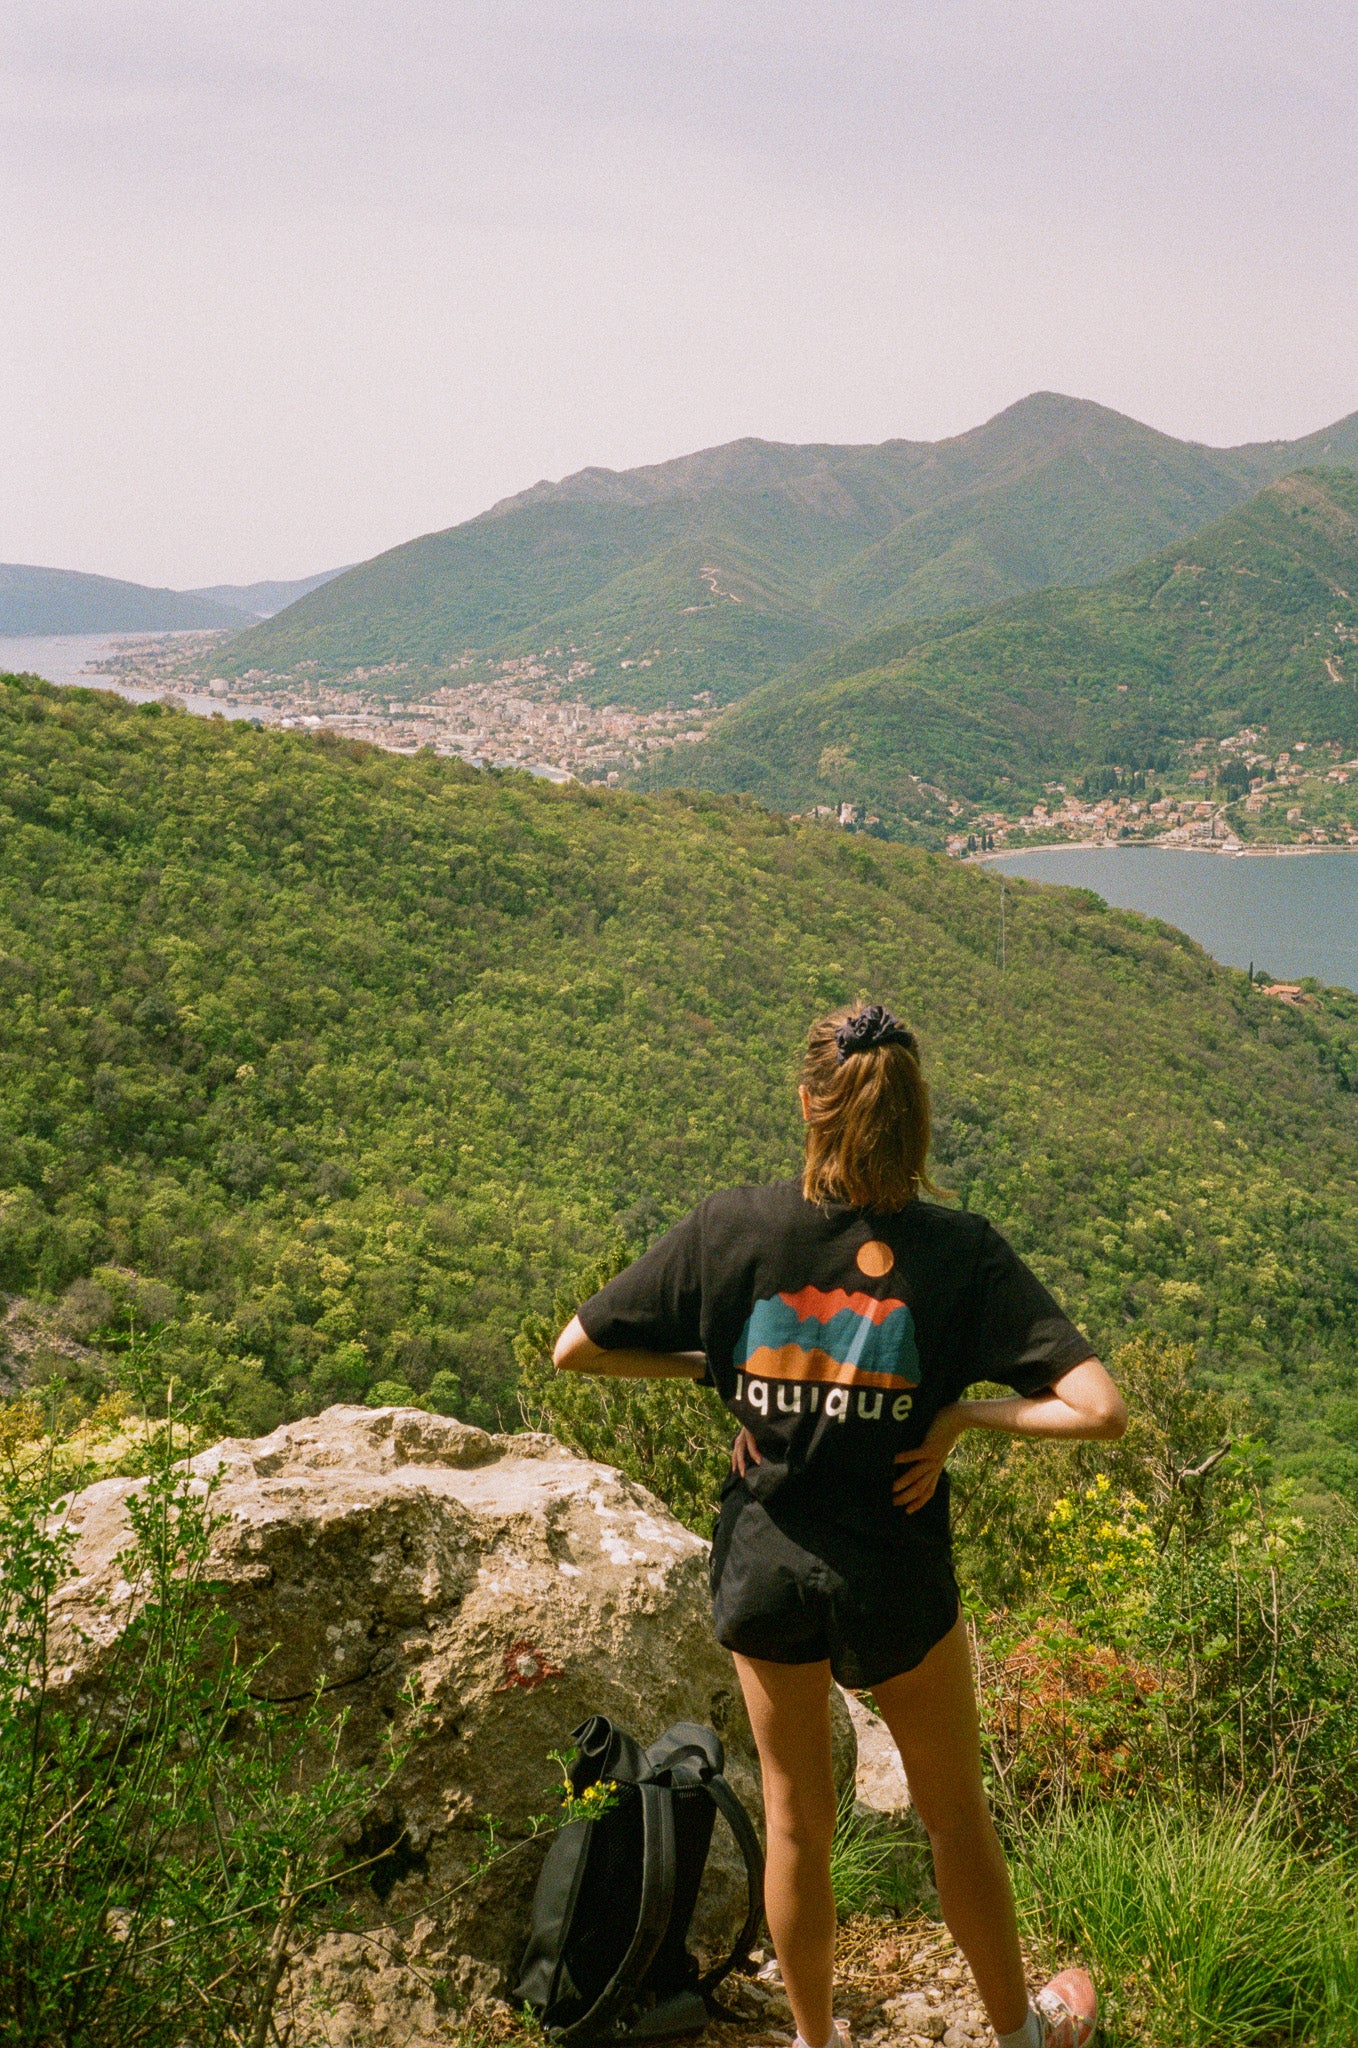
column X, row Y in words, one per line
column 319, row 1067
column 719, row 570
column 1252, row 620
column 333, row 1063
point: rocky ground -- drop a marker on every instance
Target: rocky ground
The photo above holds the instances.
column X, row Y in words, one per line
column 902, row 1984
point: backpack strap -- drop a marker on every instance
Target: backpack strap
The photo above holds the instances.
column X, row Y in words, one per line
column 554, row 1904
column 727, row 1803
column 687, row 1741
column 690, row 1753
column 653, row 1914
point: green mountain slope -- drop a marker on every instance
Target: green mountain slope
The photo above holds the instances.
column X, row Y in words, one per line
column 1254, row 620
column 34, row 600
column 331, row 1063
column 723, row 567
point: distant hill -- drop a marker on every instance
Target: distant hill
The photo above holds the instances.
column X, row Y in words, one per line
column 262, row 600
column 721, row 569
column 1252, row 620
column 35, row 600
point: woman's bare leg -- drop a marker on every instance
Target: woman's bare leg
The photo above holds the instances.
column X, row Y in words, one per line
column 931, row 1712
column 789, row 1709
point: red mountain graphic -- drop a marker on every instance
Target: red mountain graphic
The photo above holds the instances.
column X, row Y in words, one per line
column 813, row 1304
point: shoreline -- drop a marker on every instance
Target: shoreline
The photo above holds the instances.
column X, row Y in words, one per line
column 1280, row 851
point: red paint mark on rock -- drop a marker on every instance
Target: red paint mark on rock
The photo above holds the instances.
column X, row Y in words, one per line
column 526, row 1668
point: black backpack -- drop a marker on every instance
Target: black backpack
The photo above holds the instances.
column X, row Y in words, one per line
column 608, row 1953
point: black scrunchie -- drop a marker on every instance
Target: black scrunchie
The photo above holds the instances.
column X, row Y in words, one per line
column 868, row 1028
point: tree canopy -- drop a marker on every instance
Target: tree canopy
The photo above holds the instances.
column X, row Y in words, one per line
column 332, row 1066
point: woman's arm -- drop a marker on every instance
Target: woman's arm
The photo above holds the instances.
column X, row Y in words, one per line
column 576, row 1352
column 1083, row 1406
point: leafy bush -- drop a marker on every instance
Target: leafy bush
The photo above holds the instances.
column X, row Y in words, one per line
column 1177, row 1622
column 166, row 1835
column 390, row 1394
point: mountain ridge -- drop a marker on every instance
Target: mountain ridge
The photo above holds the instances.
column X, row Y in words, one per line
column 598, row 482
column 262, row 600
column 617, row 565
column 37, row 599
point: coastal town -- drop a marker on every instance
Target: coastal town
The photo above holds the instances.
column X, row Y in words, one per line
column 1246, row 792
column 1234, row 795
column 523, row 712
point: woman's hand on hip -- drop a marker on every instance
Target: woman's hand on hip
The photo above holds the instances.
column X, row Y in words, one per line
column 744, row 1453
column 917, row 1482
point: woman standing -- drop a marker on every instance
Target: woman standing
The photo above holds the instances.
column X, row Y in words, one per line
column 840, row 1317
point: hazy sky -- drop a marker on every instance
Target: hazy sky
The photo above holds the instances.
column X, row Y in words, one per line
column 288, row 281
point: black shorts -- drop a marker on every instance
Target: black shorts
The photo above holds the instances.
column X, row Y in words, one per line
column 873, row 1606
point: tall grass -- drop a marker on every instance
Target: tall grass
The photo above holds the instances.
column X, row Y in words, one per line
column 1204, row 1929
column 875, row 1866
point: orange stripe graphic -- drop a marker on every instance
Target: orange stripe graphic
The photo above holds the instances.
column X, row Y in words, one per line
column 811, row 1304
column 790, row 1362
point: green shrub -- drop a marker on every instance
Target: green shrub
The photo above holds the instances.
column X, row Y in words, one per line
column 390, row 1394
column 166, row 1836
column 1166, row 1616
column 445, row 1393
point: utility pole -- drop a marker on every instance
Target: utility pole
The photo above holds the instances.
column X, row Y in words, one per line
column 1000, row 948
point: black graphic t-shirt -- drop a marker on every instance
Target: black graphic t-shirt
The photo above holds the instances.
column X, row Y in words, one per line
column 836, row 1334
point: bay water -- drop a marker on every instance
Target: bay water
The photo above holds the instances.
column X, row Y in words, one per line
column 1293, row 914
column 74, row 658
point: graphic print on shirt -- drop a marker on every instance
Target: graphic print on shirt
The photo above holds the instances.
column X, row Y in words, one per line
column 830, row 1338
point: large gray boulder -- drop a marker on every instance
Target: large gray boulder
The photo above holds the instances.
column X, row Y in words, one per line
column 505, row 1585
